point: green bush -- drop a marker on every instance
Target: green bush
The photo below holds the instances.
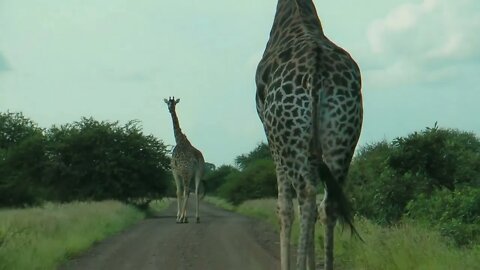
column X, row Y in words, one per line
column 216, row 178
column 377, row 191
column 260, row 152
column 385, row 177
column 22, row 160
column 93, row 160
column 456, row 214
column 14, row 128
column 257, row 180
column 446, row 157
column 85, row 160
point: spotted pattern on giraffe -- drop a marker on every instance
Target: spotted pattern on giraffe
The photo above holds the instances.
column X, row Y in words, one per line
column 310, row 103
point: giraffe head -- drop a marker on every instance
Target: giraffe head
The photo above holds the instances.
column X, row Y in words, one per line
column 171, row 102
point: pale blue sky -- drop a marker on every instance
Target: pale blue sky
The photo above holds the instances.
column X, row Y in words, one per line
column 117, row 59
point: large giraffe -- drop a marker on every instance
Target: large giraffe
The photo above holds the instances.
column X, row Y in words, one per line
column 187, row 162
column 309, row 100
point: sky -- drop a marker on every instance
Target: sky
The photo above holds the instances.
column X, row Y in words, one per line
column 118, row 59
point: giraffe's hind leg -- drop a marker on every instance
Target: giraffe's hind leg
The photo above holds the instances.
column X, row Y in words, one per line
column 338, row 167
column 285, row 213
column 198, row 178
column 329, row 219
column 308, row 209
column 197, row 199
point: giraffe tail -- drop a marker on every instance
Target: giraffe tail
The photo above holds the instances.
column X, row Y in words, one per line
column 332, row 185
column 335, row 192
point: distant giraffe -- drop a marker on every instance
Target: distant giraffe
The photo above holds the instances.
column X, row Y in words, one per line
column 187, row 162
column 309, row 101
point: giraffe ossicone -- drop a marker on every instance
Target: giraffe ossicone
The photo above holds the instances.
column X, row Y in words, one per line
column 310, row 103
column 187, row 163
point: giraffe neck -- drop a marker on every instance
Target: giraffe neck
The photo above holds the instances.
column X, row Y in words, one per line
column 177, row 131
column 293, row 14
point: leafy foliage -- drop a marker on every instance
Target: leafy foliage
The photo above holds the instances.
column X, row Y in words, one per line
column 260, row 152
column 257, row 180
column 14, row 128
column 22, row 158
column 21, row 170
column 216, row 178
column 446, row 157
column 103, row 160
column 85, row 160
column 377, row 191
column 454, row 213
column 385, row 178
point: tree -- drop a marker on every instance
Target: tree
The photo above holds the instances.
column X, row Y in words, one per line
column 257, row 180
column 260, row 152
column 101, row 160
column 22, row 160
column 385, row 177
column 216, row 178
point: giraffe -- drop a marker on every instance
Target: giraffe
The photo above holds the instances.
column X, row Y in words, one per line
column 310, row 103
column 187, row 162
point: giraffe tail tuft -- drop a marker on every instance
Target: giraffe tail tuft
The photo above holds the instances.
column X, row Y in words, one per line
column 335, row 192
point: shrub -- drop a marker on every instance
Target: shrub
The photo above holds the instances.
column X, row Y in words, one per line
column 377, row 191
column 260, row 152
column 22, row 160
column 446, row 157
column 257, row 180
column 456, row 214
column 216, row 178
column 86, row 160
column 100, row 160
column 385, row 177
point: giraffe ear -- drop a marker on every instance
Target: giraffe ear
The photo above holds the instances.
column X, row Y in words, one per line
column 166, row 101
column 177, row 101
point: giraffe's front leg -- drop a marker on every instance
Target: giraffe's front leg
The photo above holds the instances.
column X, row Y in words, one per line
column 186, row 194
column 178, row 185
column 179, row 202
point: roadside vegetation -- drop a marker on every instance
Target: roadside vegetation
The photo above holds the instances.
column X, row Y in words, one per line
column 87, row 160
column 416, row 198
column 43, row 237
column 66, row 187
column 405, row 245
column 416, row 201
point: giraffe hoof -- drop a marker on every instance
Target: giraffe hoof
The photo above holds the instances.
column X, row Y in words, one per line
column 198, row 220
column 185, row 220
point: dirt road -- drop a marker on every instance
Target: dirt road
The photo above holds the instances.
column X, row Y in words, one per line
column 223, row 240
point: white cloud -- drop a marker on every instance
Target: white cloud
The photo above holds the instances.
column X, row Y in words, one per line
column 415, row 43
column 399, row 20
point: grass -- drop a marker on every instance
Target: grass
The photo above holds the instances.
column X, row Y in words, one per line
column 44, row 237
column 219, row 202
column 405, row 246
column 158, row 205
